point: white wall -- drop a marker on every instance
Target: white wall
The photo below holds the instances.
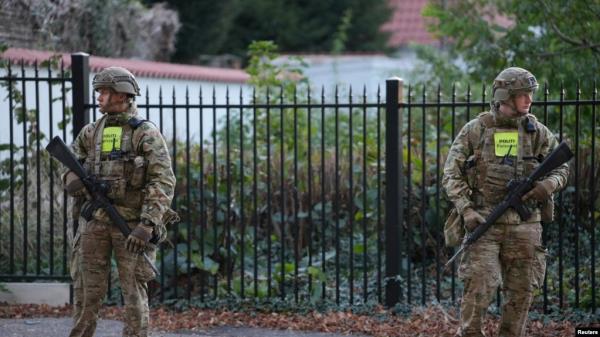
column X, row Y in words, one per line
column 358, row 71
column 151, row 85
column 174, row 92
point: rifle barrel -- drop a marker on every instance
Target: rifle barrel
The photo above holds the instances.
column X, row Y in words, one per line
column 560, row 155
column 59, row 150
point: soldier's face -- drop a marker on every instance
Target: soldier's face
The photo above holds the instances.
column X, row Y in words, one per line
column 110, row 101
column 518, row 106
column 523, row 102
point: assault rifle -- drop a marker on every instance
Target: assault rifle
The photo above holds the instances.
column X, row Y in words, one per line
column 516, row 190
column 96, row 187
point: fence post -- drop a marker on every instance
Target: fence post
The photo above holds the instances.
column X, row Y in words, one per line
column 393, row 189
column 80, row 72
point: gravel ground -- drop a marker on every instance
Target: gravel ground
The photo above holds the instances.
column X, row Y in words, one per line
column 60, row 327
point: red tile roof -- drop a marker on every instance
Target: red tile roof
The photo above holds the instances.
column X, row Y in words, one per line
column 407, row 24
column 139, row 68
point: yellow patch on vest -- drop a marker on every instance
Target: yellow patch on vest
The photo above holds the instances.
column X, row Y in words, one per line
column 506, row 141
column 111, row 138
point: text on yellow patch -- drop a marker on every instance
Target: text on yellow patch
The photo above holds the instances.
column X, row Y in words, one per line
column 111, row 138
column 505, row 142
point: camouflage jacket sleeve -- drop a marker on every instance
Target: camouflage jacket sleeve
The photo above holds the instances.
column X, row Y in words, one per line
column 160, row 179
column 455, row 180
column 80, row 146
column 547, row 142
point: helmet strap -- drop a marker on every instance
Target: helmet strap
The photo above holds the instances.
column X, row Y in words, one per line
column 513, row 105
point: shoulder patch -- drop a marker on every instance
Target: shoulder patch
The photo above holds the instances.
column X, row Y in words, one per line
column 532, row 117
column 145, row 130
column 530, row 124
column 135, row 122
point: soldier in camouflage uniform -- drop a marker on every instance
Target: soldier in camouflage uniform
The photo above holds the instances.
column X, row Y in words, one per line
column 132, row 157
column 497, row 146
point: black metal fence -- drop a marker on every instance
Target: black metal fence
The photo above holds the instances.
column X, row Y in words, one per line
column 281, row 190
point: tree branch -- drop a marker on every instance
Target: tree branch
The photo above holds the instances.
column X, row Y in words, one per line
column 580, row 44
column 594, row 47
column 564, row 37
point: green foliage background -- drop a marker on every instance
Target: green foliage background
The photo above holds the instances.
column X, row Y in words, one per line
column 229, row 26
column 287, row 237
column 558, row 41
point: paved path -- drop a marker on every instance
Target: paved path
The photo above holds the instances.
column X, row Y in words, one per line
column 60, row 327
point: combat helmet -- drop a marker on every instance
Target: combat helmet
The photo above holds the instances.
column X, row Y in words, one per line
column 512, row 81
column 119, row 79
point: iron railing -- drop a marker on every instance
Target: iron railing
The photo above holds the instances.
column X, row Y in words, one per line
column 281, row 193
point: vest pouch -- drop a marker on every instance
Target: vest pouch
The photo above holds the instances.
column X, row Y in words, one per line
column 496, row 180
column 134, row 198
column 117, row 189
column 113, row 172
column 454, row 230
column 138, row 174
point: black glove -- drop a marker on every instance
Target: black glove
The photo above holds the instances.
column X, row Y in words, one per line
column 74, row 185
column 139, row 237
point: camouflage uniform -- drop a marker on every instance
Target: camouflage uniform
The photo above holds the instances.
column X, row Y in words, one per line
column 510, row 254
column 74, row 237
column 141, row 184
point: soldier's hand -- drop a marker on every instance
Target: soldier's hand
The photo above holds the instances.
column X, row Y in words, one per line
column 138, row 238
column 541, row 191
column 74, row 186
column 472, row 219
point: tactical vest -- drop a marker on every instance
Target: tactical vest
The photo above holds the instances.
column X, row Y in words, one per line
column 493, row 165
column 124, row 169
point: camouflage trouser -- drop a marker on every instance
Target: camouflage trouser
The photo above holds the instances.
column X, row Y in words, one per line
column 75, row 265
column 75, row 269
column 97, row 242
column 508, row 255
